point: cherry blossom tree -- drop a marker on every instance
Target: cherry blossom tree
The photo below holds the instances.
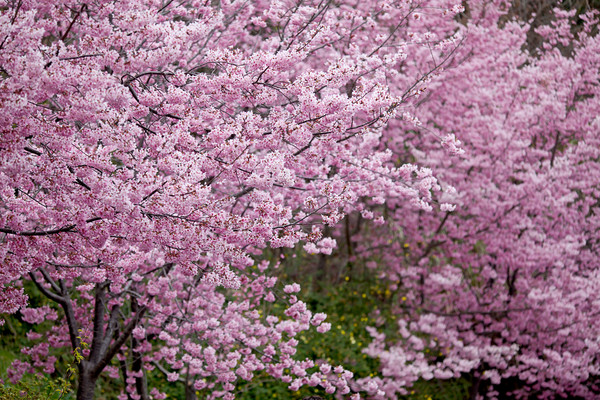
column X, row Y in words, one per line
column 503, row 288
column 151, row 150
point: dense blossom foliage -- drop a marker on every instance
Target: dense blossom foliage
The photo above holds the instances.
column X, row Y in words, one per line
column 152, row 151
column 504, row 287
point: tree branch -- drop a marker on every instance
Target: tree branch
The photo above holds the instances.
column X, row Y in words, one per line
column 110, row 329
column 64, row 229
column 51, row 281
column 52, row 296
column 67, row 308
column 554, row 149
column 99, row 312
column 64, row 36
column 114, row 349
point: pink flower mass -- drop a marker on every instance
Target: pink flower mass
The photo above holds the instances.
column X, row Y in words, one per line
column 153, row 153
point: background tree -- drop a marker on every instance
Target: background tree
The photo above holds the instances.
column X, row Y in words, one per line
column 504, row 288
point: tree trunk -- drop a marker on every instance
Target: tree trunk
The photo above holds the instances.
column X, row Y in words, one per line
column 141, row 383
column 86, row 386
column 190, row 392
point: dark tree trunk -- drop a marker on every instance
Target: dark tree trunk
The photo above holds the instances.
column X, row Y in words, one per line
column 85, row 388
column 190, row 393
column 141, row 382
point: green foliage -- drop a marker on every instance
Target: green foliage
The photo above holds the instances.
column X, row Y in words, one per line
column 353, row 297
column 36, row 388
column 453, row 389
column 42, row 386
column 265, row 387
column 13, row 337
